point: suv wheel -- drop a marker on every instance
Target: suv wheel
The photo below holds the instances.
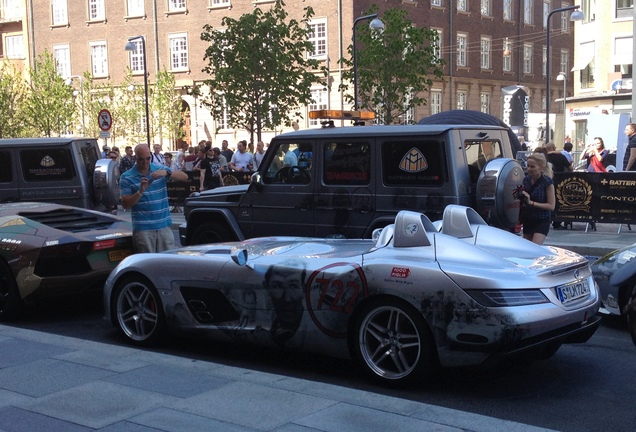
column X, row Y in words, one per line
column 210, row 232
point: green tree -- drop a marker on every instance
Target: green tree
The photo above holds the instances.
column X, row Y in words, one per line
column 259, row 70
column 394, row 66
column 12, row 94
column 129, row 110
column 49, row 107
column 166, row 102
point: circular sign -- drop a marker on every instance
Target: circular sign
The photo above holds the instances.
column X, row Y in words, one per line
column 104, row 120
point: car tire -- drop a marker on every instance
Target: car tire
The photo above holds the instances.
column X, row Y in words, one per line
column 630, row 313
column 11, row 305
column 210, row 232
column 392, row 342
column 138, row 311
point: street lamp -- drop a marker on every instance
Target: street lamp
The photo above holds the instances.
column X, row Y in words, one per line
column 577, row 15
column 68, row 82
column 375, row 24
column 563, row 77
column 130, row 46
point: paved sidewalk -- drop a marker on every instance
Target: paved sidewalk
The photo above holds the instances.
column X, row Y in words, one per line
column 56, row 383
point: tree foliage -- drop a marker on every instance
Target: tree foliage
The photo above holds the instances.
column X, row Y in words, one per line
column 167, row 106
column 49, row 106
column 393, row 66
column 12, row 94
column 260, row 74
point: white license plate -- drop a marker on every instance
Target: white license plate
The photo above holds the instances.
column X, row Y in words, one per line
column 570, row 292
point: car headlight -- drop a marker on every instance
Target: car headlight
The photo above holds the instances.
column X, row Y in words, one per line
column 501, row 298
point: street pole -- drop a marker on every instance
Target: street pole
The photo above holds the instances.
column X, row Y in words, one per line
column 576, row 16
column 69, row 81
column 376, row 24
column 130, row 46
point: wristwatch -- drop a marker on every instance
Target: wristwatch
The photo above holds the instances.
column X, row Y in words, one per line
column 168, row 172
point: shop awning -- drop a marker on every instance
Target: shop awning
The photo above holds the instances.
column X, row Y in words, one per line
column 582, row 63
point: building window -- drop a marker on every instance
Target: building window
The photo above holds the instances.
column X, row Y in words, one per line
column 462, row 41
column 485, row 103
column 461, row 100
column 462, row 5
column 318, row 102
column 318, row 38
column 543, row 102
column 588, row 7
column 507, row 56
column 219, row 2
column 624, row 9
column 224, row 121
column 137, row 58
column 546, row 12
column 527, row 58
column 485, row 53
column 544, row 60
column 437, row 44
column 565, row 19
column 436, row 102
column 10, row 9
column 62, row 56
column 14, row 47
column 436, row 2
column 135, row 7
column 507, row 10
column 96, row 10
column 179, row 52
column 565, row 61
column 99, row 59
column 485, row 8
column 176, row 5
column 527, row 12
column 587, row 76
column 59, row 12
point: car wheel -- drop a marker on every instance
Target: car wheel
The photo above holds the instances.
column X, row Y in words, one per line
column 210, row 232
column 11, row 304
column 630, row 313
column 138, row 311
column 393, row 343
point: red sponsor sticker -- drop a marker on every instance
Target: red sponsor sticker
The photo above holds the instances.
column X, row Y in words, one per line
column 400, row 272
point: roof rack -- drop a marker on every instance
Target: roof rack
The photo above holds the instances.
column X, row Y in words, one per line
column 359, row 117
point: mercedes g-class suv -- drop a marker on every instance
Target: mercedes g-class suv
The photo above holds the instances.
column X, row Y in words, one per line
column 349, row 181
column 61, row 170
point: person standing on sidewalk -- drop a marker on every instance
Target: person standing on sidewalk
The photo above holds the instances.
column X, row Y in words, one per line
column 143, row 190
column 538, row 199
column 629, row 160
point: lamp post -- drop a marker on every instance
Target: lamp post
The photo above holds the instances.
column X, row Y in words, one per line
column 130, row 46
column 577, row 15
column 69, row 81
column 563, row 77
column 375, row 24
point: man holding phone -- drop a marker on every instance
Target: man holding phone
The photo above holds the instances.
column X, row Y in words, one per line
column 143, row 190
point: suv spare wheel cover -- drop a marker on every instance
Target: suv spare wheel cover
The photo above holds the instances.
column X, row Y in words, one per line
column 106, row 182
column 495, row 200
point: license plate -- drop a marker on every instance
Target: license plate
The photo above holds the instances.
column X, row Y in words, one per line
column 118, row 255
column 570, row 292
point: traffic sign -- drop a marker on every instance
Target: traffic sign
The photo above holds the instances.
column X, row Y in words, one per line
column 105, row 120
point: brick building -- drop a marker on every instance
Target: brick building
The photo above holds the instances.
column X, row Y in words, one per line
column 487, row 45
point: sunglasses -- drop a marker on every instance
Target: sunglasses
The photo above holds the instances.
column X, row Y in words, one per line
column 113, row 157
column 143, row 159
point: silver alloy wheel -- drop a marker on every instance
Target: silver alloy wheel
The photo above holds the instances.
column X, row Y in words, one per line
column 138, row 312
column 390, row 342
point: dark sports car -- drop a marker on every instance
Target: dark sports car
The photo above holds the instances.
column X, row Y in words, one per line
column 410, row 299
column 52, row 249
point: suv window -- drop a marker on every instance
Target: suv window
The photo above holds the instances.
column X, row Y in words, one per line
column 346, row 163
column 290, row 164
column 6, row 172
column 47, row 164
column 90, row 157
column 414, row 163
column 478, row 153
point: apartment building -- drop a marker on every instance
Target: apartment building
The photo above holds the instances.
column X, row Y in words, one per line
column 13, row 34
column 487, row 45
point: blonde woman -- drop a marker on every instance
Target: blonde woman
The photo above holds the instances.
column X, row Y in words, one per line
column 538, row 199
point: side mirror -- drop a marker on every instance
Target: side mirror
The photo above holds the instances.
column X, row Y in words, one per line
column 239, row 256
column 257, row 181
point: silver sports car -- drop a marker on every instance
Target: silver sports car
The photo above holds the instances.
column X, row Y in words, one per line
column 414, row 297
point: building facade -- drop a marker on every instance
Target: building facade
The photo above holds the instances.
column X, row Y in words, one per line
column 13, row 35
column 487, row 45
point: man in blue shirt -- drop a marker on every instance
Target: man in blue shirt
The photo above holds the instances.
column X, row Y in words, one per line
column 143, row 190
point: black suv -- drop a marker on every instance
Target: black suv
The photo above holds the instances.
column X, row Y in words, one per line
column 60, row 170
column 349, row 181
